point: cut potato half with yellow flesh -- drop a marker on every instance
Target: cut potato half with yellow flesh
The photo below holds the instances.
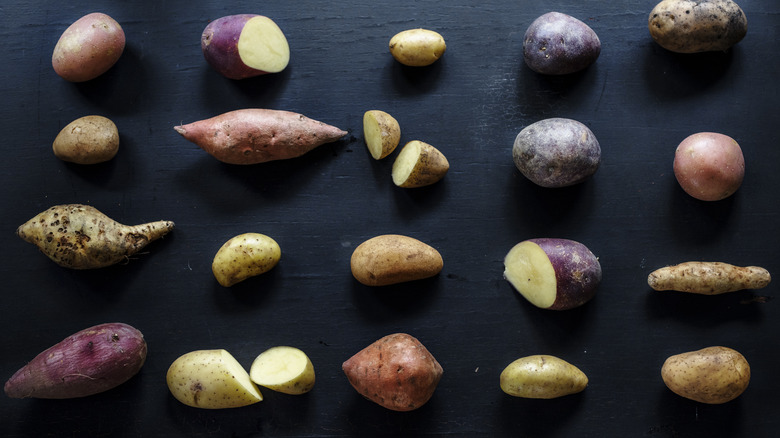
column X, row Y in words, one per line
column 283, row 369
column 382, row 133
column 263, row 46
column 419, row 164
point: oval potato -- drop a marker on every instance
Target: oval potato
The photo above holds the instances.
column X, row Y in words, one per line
column 87, row 140
column 417, row 47
column 244, row 256
column 709, row 166
column 559, row 44
column 692, row 26
column 88, row 48
column 392, row 258
column 542, row 377
column 712, row 375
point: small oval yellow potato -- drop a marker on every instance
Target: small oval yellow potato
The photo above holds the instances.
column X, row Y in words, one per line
column 283, row 369
column 417, row 47
column 543, row 377
column 87, row 140
column 244, row 256
column 211, row 379
column 382, row 133
column 712, row 375
column 418, row 165
column 392, row 259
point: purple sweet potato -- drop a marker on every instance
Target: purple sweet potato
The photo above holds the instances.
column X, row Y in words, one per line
column 256, row 135
column 91, row 361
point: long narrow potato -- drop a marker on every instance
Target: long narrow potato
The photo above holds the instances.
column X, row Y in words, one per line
column 708, row 278
column 257, row 135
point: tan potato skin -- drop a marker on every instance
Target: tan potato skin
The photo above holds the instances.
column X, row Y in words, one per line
column 382, row 143
column 87, row 140
column 708, row 278
column 712, row 375
column 431, row 166
column 542, row 377
column 692, row 26
column 244, row 256
column 392, row 258
column 417, row 47
column 88, row 48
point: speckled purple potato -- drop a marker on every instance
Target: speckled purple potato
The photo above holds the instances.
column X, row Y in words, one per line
column 556, row 152
column 577, row 271
column 559, row 44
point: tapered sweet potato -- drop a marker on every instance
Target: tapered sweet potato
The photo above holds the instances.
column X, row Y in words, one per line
column 256, row 135
column 91, row 361
column 81, row 237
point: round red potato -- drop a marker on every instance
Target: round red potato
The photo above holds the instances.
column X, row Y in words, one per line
column 88, row 48
column 709, row 166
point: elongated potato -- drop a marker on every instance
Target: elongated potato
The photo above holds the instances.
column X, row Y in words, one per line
column 88, row 362
column 87, row 140
column 256, row 135
column 392, row 259
column 245, row 256
column 708, row 278
column 88, row 48
column 542, row 376
column 81, row 237
column 712, row 375
column 418, row 165
column 283, row 369
column 382, row 133
column 692, row 26
column 417, row 47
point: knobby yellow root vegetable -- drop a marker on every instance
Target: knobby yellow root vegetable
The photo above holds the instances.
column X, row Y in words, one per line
column 81, row 237
column 708, row 278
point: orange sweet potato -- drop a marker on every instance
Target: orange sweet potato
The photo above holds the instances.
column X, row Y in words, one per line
column 256, row 135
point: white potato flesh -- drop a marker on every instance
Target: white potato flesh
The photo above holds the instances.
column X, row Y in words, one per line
column 263, row 46
column 284, row 369
column 382, row 133
column 529, row 270
column 419, row 164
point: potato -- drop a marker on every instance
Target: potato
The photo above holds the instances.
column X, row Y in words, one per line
column 559, row 44
column 419, row 164
column 245, row 45
column 391, row 259
column 693, row 26
column 556, row 274
column 88, row 48
column 542, row 377
column 556, row 152
column 81, row 237
column 396, row 372
column 255, row 135
column 87, row 140
column 211, row 379
column 245, row 256
column 712, row 375
column 283, row 369
column 88, row 362
column 708, row 278
column 709, row 166
column 382, row 133
column 417, row 47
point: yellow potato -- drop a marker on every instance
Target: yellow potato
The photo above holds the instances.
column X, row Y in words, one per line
column 708, row 278
column 87, row 140
column 211, row 379
column 392, row 258
column 542, row 377
column 419, row 164
column 711, row 375
column 692, row 26
column 283, row 369
column 244, row 256
column 417, row 47
column 382, row 133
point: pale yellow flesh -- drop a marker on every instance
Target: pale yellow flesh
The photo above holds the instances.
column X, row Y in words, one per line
column 528, row 268
column 381, row 132
column 211, row 379
column 419, row 164
column 263, row 46
column 283, row 369
column 244, row 256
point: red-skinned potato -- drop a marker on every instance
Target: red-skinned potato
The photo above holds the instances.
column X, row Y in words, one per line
column 88, row 48
column 709, row 166
column 245, row 45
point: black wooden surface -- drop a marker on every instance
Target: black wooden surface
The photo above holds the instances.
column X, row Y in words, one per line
column 639, row 100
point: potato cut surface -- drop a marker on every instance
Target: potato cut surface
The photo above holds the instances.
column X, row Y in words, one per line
column 263, row 46
column 284, row 369
column 530, row 271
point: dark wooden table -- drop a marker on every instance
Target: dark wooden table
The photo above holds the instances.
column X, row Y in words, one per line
column 639, row 100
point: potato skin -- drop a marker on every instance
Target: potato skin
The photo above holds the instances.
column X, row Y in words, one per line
column 88, row 362
column 382, row 133
column 87, row 140
column 556, row 152
column 708, row 278
column 542, row 377
column 709, row 166
column 429, row 166
column 417, row 47
column 391, row 259
column 244, row 256
column 88, row 48
column 396, row 372
column 559, row 44
column 693, row 26
column 712, row 375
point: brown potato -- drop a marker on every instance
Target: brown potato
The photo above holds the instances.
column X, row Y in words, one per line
column 382, row 133
column 709, row 166
column 711, row 375
column 87, row 140
column 391, row 259
column 418, row 165
column 692, row 26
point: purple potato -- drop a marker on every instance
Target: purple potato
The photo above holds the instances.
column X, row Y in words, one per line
column 559, row 44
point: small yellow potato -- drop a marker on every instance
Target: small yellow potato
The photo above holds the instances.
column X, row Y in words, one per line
column 283, row 369
column 87, row 140
column 417, row 47
column 542, row 377
column 392, row 258
column 382, row 133
column 419, row 164
column 708, row 278
column 244, row 256
column 211, row 379
column 712, row 375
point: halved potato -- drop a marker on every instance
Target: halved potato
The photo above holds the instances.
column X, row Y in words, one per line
column 382, row 133
column 283, row 369
column 419, row 164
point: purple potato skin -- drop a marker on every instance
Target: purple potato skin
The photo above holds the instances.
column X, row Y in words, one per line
column 577, row 271
column 219, row 43
column 556, row 152
column 559, row 44
column 91, row 361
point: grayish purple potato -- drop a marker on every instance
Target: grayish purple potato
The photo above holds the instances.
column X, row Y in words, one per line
column 556, row 152
column 559, row 44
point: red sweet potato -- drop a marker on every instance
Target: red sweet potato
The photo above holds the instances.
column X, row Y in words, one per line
column 91, row 361
column 256, row 135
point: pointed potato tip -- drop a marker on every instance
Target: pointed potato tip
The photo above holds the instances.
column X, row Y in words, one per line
column 180, row 129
